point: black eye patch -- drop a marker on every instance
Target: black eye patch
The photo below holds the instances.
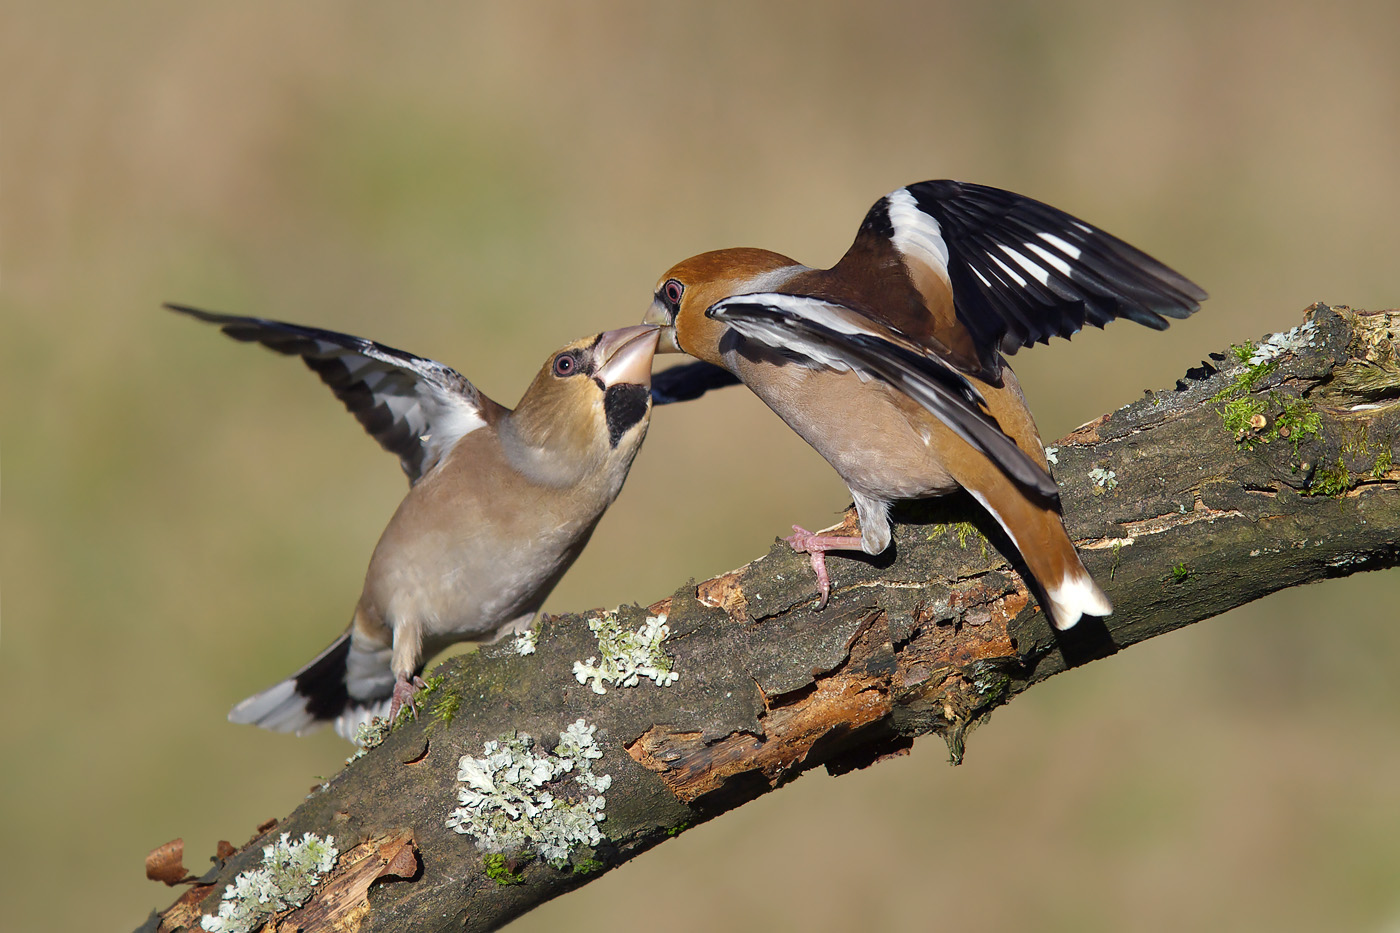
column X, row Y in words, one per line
column 624, row 404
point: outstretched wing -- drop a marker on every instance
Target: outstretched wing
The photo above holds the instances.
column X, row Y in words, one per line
column 822, row 333
column 688, row 381
column 417, row 409
column 1019, row 271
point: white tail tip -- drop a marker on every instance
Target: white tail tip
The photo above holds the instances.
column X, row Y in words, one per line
column 1075, row 597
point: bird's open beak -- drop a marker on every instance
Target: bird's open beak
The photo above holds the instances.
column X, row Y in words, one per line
column 626, row 355
column 659, row 316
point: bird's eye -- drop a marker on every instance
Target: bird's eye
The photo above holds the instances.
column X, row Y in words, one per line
column 565, row 364
column 672, row 292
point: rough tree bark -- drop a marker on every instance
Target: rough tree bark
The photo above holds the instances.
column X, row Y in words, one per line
column 1242, row 480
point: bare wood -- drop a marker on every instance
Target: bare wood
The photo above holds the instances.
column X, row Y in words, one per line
column 1179, row 518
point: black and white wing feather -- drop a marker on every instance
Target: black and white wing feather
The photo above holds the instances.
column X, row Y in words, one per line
column 821, row 333
column 417, row 409
column 1022, row 271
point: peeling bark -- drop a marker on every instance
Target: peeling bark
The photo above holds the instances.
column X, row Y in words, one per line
column 1198, row 517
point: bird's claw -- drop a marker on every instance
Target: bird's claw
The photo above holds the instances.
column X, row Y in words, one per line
column 804, row 542
column 800, row 539
column 404, row 693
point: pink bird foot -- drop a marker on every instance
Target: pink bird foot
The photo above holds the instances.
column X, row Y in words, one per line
column 816, row 546
column 404, row 692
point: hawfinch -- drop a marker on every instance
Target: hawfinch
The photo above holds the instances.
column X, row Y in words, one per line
column 500, row 503
column 890, row 362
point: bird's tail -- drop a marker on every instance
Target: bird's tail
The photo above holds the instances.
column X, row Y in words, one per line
column 1076, row 595
column 345, row 685
column 1038, row 532
column 1033, row 523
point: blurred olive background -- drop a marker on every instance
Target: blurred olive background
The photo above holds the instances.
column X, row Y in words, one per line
column 187, row 520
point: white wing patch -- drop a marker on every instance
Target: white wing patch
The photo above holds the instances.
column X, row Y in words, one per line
column 1056, row 262
column 916, row 234
column 1036, row 272
column 453, row 423
column 1069, row 249
column 1008, row 270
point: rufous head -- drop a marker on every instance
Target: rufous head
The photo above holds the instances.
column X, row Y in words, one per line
column 688, row 288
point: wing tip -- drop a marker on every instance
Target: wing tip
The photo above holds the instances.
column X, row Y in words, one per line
column 279, row 708
column 192, row 311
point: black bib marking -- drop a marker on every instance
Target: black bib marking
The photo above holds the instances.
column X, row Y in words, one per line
column 625, row 404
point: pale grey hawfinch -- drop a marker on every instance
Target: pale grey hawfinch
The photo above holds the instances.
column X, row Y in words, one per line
column 501, row 502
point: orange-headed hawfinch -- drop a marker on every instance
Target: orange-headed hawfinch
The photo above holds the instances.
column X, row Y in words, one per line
column 890, row 362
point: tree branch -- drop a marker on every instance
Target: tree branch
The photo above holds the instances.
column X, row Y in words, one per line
column 1248, row 477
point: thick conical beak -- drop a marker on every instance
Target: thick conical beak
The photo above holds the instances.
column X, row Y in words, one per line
column 659, row 316
column 626, row 355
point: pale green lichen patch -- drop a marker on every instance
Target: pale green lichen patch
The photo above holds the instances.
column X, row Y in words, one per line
column 517, row 798
column 525, row 642
column 289, row 872
column 1103, row 479
column 1262, row 359
column 626, row 657
column 372, row 734
column 369, row 735
column 1275, row 345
